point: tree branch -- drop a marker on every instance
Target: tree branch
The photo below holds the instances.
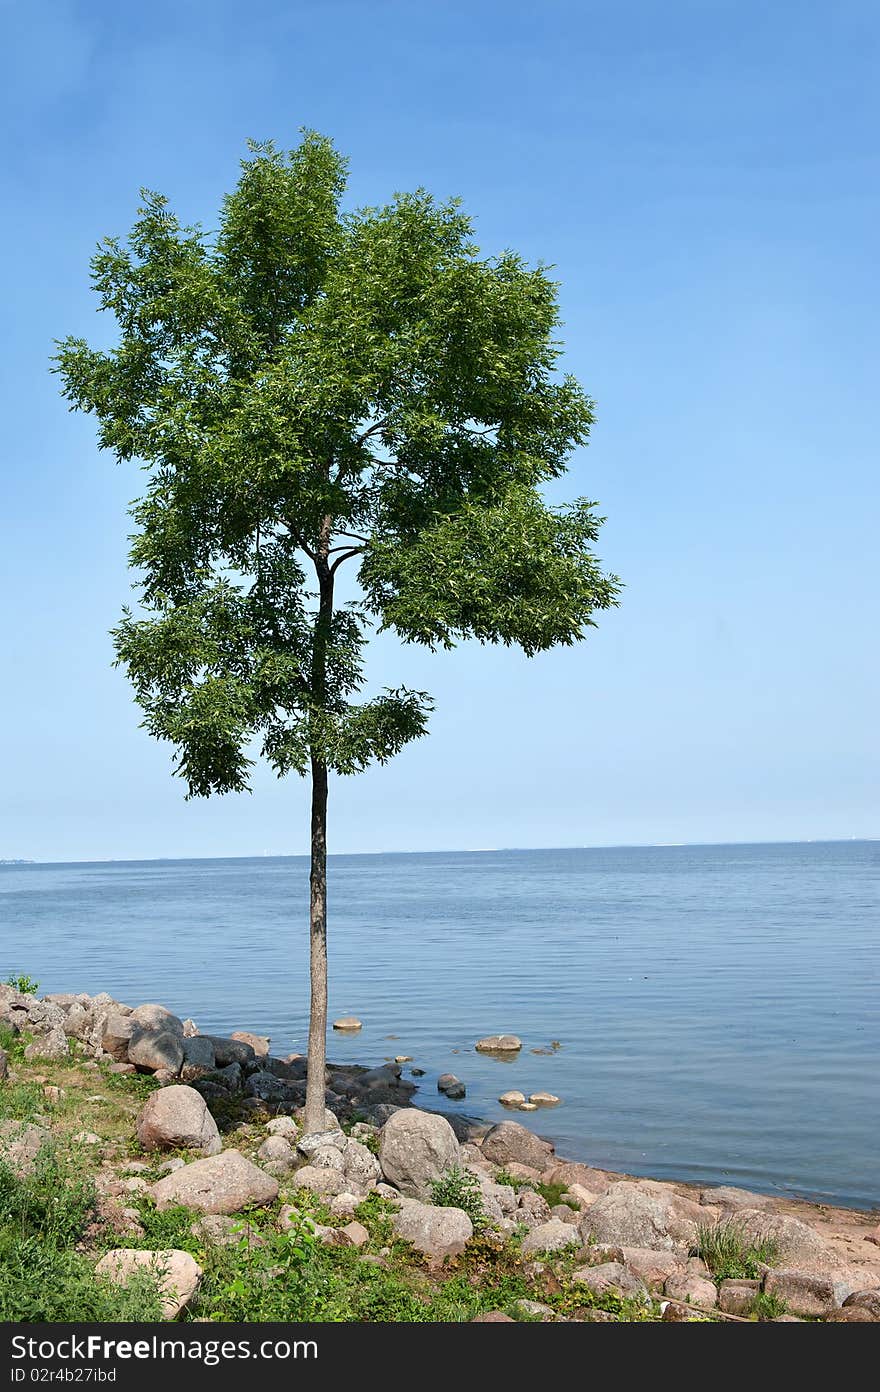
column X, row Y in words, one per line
column 345, row 556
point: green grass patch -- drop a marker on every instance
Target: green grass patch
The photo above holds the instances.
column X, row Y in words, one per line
column 729, row 1252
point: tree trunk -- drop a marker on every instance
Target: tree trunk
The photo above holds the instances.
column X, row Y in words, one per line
column 317, row 1052
column 317, row 1055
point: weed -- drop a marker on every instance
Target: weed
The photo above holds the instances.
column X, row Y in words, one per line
column 767, row 1305
column 729, row 1252
column 24, row 984
column 458, row 1188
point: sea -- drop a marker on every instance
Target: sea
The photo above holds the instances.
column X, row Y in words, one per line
column 704, row 1013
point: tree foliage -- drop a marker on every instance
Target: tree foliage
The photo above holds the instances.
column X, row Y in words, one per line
column 309, row 386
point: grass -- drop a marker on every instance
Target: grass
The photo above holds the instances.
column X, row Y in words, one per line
column 767, row 1305
column 729, row 1252
column 458, row 1188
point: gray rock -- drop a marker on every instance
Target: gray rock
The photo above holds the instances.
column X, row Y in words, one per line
column 52, row 1045
column 361, row 1166
column 327, row 1157
column 692, row 1289
column 498, row 1044
column 155, row 1049
column 630, row 1216
column 550, row 1236
column 116, row 1035
column 268, row 1088
column 450, row 1085
column 611, row 1278
column 176, row 1272
column 230, row 1077
column 283, row 1126
column 415, row 1149
column 177, row 1118
column 198, row 1055
column 224, row 1183
column 279, row 1151
column 319, row 1179
column 437, row 1232
column 735, row 1297
column 228, row 1051
column 20, row 1145
column 258, row 1042
column 509, row 1142
column 726, row 1196
column 157, row 1019
column 316, row 1140
column 808, row 1293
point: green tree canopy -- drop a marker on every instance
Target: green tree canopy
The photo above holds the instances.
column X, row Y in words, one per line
column 307, row 387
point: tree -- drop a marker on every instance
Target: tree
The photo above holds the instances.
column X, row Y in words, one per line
column 306, row 388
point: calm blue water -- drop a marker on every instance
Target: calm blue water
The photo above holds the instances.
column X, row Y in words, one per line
column 717, row 1006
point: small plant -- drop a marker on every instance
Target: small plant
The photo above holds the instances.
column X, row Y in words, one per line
column 24, row 984
column 505, row 1177
column 729, row 1252
column 458, row 1188
column 767, row 1305
column 553, row 1194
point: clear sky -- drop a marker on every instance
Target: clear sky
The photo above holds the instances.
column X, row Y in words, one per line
column 703, row 175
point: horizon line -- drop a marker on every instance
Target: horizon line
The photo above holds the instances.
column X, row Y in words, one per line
column 451, row 850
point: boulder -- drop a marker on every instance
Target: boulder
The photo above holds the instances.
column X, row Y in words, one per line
column 228, row 1051
column 283, row 1126
column 319, row 1179
column 737, row 1295
column 415, row 1149
column 157, row 1019
column 51, row 1045
column 154, row 1049
column 512, row 1098
column 348, row 1022
column 550, row 1236
column 20, row 1144
column 509, row 1142
column 868, row 1300
column 327, row 1157
column 795, row 1244
column 279, row 1151
column 809, row 1293
column 177, row 1274
column 570, row 1172
column 198, row 1055
column 692, row 1289
column 630, row 1216
column 652, row 1267
column 224, row 1183
column 451, row 1086
column 437, row 1232
column 269, row 1088
column 361, row 1166
column 726, row 1196
column 357, row 1234
column 611, row 1278
column 498, row 1044
column 258, row 1042
column 544, row 1099
column 317, row 1140
column 177, row 1118
column 116, row 1036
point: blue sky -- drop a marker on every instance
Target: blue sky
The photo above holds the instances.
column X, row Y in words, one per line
column 703, row 175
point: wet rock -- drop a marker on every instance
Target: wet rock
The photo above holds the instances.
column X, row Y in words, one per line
column 512, row 1098
column 348, row 1022
column 498, row 1044
column 451, row 1086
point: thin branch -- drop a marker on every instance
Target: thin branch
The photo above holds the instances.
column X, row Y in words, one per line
column 365, row 435
column 345, row 556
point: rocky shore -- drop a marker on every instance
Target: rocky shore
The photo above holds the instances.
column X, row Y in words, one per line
column 218, row 1135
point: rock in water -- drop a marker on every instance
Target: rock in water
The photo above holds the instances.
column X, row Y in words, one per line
column 416, row 1148
column 451, row 1087
column 177, row 1274
column 348, row 1022
column 499, row 1044
column 177, row 1118
column 223, row 1183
